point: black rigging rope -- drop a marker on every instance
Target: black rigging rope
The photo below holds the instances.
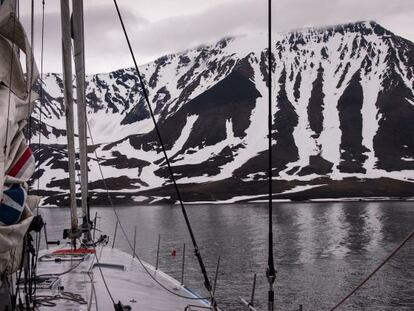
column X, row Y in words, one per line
column 61, row 273
column 196, row 249
column 49, row 301
column 41, row 91
column 38, row 235
column 31, row 71
column 270, row 271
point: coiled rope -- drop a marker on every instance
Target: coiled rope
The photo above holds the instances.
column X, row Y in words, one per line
column 49, row 301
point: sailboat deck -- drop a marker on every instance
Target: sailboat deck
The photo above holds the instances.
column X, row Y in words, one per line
column 83, row 288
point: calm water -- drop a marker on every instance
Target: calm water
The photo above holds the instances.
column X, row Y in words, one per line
column 322, row 250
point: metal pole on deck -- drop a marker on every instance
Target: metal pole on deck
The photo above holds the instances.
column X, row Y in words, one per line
column 79, row 58
column 135, row 240
column 68, row 97
column 158, row 251
column 216, row 276
column 182, row 266
column 253, row 291
column 45, row 231
column 116, row 229
column 94, row 225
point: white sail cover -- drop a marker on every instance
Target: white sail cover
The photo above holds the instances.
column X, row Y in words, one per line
column 16, row 159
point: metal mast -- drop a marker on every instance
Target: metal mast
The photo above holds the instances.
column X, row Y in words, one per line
column 68, row 94
column 79, row 58
column 270, row 272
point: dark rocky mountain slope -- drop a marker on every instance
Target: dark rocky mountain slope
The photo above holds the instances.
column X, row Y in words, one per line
column 343, row 112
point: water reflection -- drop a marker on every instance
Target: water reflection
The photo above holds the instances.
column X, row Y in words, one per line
column 287, row 234
column 355, row 222
column 321, row 250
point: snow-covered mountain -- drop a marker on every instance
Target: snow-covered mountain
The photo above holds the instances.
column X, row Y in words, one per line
column 343, row 121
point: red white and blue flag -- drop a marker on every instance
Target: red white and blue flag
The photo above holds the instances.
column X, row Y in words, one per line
column 12, row 205
column 23, row 167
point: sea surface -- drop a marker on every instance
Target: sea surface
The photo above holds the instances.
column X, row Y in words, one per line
column 322, row 250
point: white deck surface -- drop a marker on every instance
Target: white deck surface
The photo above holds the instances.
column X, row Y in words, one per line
column 131, row 285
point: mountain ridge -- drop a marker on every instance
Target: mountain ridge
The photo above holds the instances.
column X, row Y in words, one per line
column 342, row 96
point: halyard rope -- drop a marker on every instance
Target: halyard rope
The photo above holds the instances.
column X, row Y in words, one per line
column 187, row 221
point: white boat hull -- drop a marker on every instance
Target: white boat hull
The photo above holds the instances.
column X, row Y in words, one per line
column 127, row 281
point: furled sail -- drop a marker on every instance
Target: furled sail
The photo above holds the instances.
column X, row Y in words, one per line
column 16, row 159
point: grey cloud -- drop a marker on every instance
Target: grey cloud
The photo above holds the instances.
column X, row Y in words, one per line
column 245, row 16
column 167, row 29
column 104, row 40
column 293, row 14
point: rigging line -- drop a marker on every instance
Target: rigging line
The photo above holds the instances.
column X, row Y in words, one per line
column 41, row 90
column 31, row 72
column 93, row 293
column 49, row 301
column 270, row 272
column 61, row 273
column 196, row 249
column 76, row 266
column 103, row 277
column 18, row 278
column 10, row 82
column 388, row 258
column 124, row 232
column 38, row 234
column 100, row 270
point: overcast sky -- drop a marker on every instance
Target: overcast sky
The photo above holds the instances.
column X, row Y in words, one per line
column 159, row 27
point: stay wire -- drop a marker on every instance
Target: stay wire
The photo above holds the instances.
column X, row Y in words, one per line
column 124, row 231
column 196, row 249
column 38, row 235
column 11, row 80
column 41, row 91
column 29, row 132
column 387, row 259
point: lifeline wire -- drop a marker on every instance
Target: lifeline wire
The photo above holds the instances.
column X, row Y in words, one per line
column 196, row 249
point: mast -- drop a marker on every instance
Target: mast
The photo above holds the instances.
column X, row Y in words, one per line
column 270, row 271
column 79, row 57
column 68, row 94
